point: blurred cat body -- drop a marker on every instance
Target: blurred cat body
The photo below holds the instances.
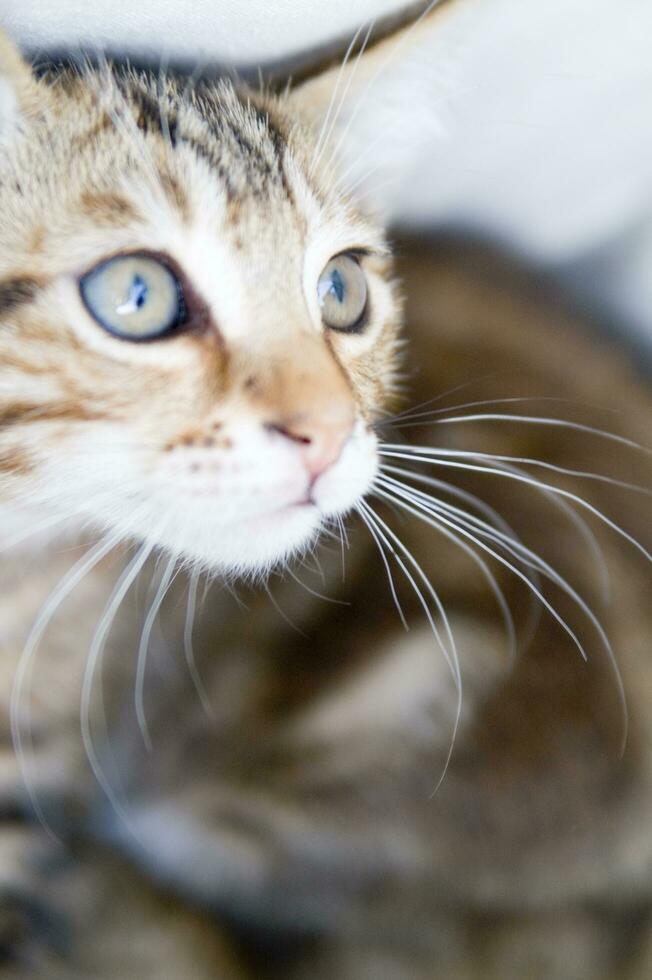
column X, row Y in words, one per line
column 293, row 822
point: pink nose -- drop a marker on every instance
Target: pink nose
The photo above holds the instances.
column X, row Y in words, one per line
column 320, row 446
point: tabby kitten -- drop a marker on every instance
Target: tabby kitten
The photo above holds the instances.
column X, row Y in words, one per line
column 199, row 336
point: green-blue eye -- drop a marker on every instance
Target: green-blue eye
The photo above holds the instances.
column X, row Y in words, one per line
column 342, row 294
column 135, row 297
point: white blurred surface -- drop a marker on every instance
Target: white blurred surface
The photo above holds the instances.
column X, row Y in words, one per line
column 541, row 139
column 231, row 31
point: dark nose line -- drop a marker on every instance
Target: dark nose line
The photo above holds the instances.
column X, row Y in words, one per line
column 283, row 430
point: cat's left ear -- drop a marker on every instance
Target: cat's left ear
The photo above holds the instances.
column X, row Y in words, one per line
column 19, row 91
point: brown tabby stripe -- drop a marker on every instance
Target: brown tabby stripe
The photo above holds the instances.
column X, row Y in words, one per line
column 89, row 136
column 17, row 292
column 14, row 462
column 150, row 114
column 175, row 193
column 24, row 412
column 108, row 209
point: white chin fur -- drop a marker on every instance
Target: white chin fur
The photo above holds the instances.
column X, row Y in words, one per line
column 251, row 547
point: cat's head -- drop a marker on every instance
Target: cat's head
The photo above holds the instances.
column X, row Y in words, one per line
column 197, row 326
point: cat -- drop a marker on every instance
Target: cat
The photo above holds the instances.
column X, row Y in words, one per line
column 196, row 316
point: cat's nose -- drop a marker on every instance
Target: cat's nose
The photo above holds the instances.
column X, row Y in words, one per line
column 319, row 442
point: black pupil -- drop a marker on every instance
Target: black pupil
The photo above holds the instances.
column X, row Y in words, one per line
column 138, row 292
column 337, row 287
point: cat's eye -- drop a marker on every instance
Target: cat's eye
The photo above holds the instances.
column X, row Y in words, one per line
column 135, row 297
column 342, row 294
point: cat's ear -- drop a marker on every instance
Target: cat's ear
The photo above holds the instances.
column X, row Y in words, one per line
column 384, row 97
column 19, row 90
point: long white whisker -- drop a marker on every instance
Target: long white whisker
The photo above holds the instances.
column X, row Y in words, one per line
column 374, row 77
column 582, row 528
column 161, row 97
column 284, row 616
column 68, row 583
column 344, row 543
column 143, row 647
column 522, row 478
column 188, row 646
column 522, row 553
column 451, row 657
column 313, row 592
column 124, row 583
column 12, row 542
column 404, row 418
column 341, row 182
column 492, row 515
column 489, row 512
column 576, row 519
column 329, row 125
column 390, row 579
column 191, row 82
column 392, row 418
column 540, row 420
column 419, row 511
column 508, row 619
column 527, row 460
column 320, row 139
column 450, row 653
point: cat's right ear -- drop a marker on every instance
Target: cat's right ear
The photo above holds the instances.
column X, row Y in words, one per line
column 19, row 90
column 373, row 109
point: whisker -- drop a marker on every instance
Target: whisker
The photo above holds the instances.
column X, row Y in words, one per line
column 405, row 417
column 161, row 98
column 508, row 619
column 313, row 592
column 494, row 518
column 527, row 460
column 188, row 646
column 124, row 583
column 421, row 514
column 68, row 583
column 451, row 658
column 581, row 526
column 461, row 525
column 391, row 419
column 191, row 82
column 12, row 542
column 320, row 139
column 540, row 420
column 143, row 648
column 375, row 76
column 390, row 577
column 522, row 478
column 576, row 519
column 328, row 126
column 384, row 531
column 344, row 543
column 284, row 616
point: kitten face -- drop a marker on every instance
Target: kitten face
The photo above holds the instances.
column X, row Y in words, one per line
column 236, row 424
